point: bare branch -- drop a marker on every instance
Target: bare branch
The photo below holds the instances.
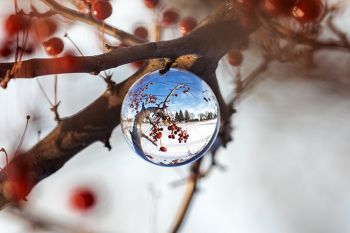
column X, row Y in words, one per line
column 219, row 32
column 127, row 38
column 191, row 186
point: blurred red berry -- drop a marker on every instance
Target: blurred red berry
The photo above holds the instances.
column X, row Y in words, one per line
column 19, row 180
column 235, row 58
column 5, row 51
column 308, row 10
column 163, row 149
column 141, row 32
column 187, row 25
column 53, row 46
column 101, row 9
column 83, row 199
column 151, row 4
column 15, row 23
column 170, row 16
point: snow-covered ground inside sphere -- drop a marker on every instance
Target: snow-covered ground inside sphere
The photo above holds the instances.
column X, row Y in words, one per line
column 200, row 135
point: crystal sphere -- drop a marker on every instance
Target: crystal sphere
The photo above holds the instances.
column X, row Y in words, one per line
column 170, row 119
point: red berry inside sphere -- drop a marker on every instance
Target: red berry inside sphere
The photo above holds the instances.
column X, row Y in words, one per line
column 151, row 4
column 101, row 9
column 15, row 23
column 187, row 25
column 163, row 149
column 170, row 16
column 235, row 58
column 83, row 199
column 308, row 10
column 141, row 32
column 54, row 46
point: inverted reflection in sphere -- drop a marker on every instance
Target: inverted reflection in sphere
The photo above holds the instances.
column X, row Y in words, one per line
column 170, row 119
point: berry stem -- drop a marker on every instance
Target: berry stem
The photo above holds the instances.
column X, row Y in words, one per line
column 73, row 43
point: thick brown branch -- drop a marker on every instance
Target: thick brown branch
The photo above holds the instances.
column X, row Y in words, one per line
column 210, row 41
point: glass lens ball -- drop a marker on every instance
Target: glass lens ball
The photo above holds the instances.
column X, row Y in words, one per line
column 170, row 119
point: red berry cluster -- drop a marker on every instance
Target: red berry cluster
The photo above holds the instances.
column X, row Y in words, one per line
column 140, row 97
column 144, row 98
column 176, row 130
column 302, row 10
column 156, row 133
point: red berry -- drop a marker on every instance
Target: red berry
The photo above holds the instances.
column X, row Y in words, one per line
column 163, row 149
column 170, row 16
column 308, row 10
column 235, row 58
column 159, row 135
column 5, row 50
column 19, row 180
column 83, row 199
column 101, row 9
column 53, row 46
column 151, row 4
column 141, row 32
column 15, row 23
column 187, row 25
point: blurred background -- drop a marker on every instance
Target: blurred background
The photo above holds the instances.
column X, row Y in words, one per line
column 286, row 171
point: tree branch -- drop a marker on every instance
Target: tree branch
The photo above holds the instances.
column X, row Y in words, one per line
column 221, row 31
column 68, row 13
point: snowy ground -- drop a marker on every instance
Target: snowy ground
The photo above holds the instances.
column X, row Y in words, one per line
column 200, row 134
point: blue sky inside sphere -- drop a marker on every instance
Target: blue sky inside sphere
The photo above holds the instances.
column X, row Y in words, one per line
column 198, row 100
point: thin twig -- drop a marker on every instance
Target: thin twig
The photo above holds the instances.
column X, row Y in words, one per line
column 191, row 186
